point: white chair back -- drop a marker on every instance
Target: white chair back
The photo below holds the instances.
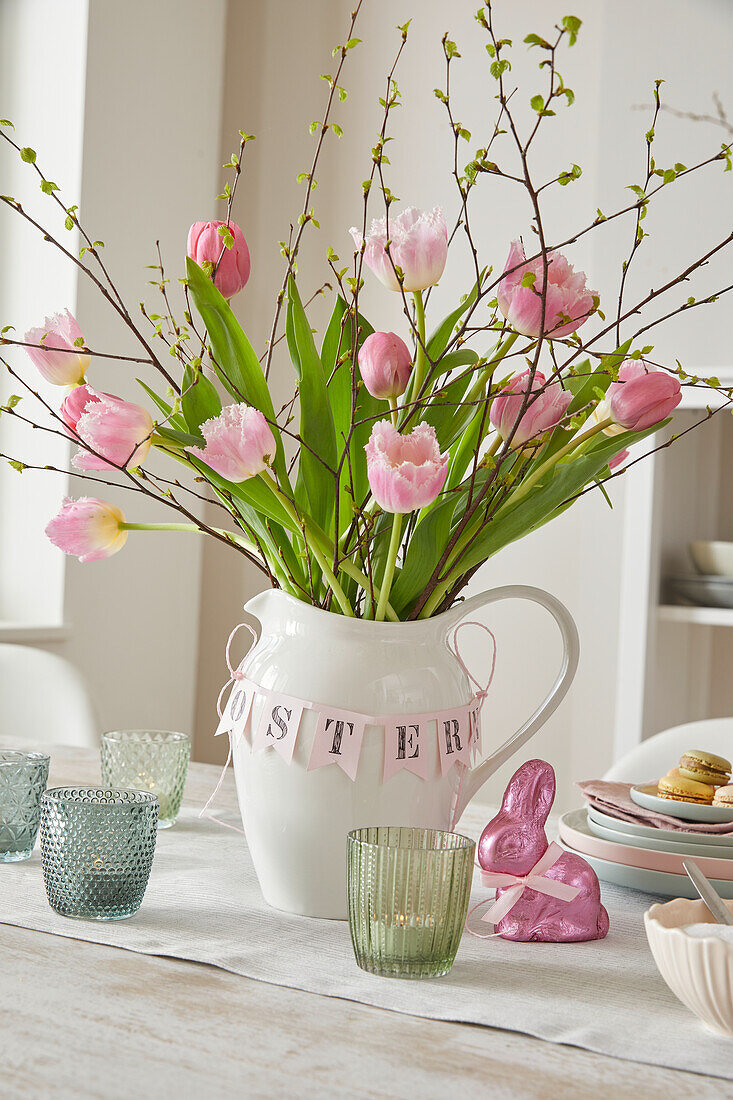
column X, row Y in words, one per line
column 43, row 701
column 657, row 754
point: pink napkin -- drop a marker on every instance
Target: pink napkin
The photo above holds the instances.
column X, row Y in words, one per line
column 614, row 799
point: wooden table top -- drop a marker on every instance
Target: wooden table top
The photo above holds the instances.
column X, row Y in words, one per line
column 86, row 1020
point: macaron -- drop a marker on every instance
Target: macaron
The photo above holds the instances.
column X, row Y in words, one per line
column 724, row 796
column 705, row 767
column 673, row 773
column 685, row 790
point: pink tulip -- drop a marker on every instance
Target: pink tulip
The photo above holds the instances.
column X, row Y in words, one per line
column 119, row 431
column 568, row 302
column 405, row 472
column 75, row 403
column 545, row 410
column 88, row 528
column 239, row 443
column 58, row 360
column 385, row 364
column 418, row 246
column 205, row 245
column 642, row 396
column 618, row 459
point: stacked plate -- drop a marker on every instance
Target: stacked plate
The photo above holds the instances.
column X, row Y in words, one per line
column 645, row 857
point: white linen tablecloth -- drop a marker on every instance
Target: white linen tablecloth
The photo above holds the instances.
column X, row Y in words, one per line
column 203, row 903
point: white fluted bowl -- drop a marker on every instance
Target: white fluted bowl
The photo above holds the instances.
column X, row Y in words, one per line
column 699, row 971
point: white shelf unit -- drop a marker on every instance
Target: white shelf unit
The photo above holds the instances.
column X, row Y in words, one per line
column 674, row 662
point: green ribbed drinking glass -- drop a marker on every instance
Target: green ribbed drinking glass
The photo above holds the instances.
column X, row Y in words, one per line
column 408, row 895
column 148, row 760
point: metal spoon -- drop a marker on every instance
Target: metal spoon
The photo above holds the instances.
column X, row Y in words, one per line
column 708, row 893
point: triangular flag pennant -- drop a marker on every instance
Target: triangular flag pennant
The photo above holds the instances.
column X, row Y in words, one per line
column 338, row 740
column 236, row 712
column 454, row 738
column 278, row 725
column 405, row 745
column 474, row 714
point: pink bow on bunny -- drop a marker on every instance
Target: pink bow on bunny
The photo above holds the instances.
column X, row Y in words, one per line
column 543, row 892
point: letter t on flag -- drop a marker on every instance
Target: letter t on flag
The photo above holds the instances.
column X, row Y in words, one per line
column 337, row 740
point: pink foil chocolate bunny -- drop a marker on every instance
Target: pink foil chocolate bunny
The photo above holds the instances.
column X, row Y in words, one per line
column 566, row 906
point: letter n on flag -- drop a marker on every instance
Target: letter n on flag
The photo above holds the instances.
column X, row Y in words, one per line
column 278, row 725
column 454, row 738
column 338, row 738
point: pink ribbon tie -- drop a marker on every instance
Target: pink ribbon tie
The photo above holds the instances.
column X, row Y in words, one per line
column 235, row 674
column 534, row 880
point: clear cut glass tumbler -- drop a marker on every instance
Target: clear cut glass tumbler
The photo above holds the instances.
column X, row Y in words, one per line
column 23, row 777
column 97, row 847
column 148, row 760
column 408, row 892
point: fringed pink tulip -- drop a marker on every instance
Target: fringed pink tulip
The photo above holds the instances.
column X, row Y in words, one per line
column 385, row 364
column 406, row 472
column 205, row 245
column 418, row 246
column 546, row 408
column 641, row 398
column 75, row 403
column 239, row 443
column 88, row 528
column 568, row 302
column 117, row 430
column 58, row 360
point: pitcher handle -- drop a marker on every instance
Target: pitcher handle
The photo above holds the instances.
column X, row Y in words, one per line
column 475, row 779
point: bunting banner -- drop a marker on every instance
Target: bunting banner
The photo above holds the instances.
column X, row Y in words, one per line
column 339, row 733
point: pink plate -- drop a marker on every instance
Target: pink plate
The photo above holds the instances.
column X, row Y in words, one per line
column 575, row 832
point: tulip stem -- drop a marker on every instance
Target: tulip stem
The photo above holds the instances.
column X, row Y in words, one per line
column 571, row 445
column 240, row 540
column 421, row 361
column 317, row 536
column 393, row 406
column 578, row 441
column 389, row 566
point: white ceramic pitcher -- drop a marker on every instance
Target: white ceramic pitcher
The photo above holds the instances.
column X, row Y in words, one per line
column 296, row 820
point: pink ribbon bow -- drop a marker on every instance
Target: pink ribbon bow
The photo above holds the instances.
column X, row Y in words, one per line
column 517, row 884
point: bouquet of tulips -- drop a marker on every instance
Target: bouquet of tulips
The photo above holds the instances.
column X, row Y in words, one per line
column 403, row 462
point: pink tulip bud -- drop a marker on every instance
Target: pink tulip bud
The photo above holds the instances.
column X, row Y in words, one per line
column 58, row 360
column 418, row 246
column 547, row 407
column 642, row 396
column 119, row 431
column 385, row 364
column 205, row 245
column 568, row 302
column 405, row 472
column 88, row 528
column 239, row 443
column 618, row 459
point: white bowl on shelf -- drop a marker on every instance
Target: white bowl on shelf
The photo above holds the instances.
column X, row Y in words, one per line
column 699, row 971
column 713, row 558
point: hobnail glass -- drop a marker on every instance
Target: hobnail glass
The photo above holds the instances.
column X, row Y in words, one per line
column 23, row 777
column 148, row 760
column 97, row 847
column 408, row 895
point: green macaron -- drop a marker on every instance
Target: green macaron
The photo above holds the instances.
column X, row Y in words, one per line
column 704, row 767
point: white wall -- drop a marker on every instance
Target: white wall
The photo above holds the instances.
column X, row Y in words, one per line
column 149, row 168
column 275, row 53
